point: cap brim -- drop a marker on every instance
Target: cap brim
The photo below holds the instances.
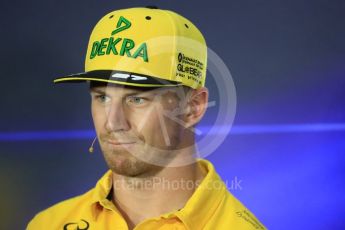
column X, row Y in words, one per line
column 117, row 77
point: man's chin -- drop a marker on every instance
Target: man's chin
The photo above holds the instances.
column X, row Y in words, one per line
column 126, row 165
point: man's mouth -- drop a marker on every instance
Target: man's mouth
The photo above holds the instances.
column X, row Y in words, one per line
column 118, row 143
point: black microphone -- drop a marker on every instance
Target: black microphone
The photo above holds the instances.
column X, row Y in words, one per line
column 91, row 147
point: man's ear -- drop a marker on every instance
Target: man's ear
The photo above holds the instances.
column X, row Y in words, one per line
column 197, row 101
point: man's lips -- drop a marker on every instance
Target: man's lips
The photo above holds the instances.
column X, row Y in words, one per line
column 113, row 142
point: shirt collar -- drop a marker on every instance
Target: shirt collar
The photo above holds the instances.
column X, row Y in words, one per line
column 205, row 199
column 198, row 209
column 100, row 193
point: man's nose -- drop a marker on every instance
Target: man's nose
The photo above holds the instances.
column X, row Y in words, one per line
column 116, row 118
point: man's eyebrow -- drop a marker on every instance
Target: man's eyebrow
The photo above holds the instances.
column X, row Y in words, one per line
column 95, row 90
column 102, row 91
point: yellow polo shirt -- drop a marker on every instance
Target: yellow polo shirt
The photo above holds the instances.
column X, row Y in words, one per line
column 210, row 207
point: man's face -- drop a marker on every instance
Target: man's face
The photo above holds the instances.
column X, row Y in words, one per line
column 134, row 125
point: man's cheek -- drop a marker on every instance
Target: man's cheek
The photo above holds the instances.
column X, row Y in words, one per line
column 143, row 120
column 170, row 104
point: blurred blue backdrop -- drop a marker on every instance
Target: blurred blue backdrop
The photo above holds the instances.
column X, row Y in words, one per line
column 287, row 145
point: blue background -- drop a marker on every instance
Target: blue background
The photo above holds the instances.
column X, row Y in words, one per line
column 287, row 145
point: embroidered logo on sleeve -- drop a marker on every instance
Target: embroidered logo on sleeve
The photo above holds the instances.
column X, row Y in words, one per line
column 245, row 215
column 80, row 225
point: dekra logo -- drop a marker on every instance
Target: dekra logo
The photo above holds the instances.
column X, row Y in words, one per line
column 107, row 46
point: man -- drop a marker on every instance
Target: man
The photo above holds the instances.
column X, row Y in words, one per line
column 146, row 70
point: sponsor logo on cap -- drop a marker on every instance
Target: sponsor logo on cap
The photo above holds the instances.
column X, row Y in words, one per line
column 130, row 76
column 126, row 46
column 119, row 28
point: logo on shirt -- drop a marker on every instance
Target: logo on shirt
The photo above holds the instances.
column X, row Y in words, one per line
column 80, row 225
column 246, row 216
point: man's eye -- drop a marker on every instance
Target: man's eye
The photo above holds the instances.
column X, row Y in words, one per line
column 136, row 100
column 102, row 98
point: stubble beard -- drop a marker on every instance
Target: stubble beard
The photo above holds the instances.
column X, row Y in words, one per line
column 123, row 162
column 142, row 160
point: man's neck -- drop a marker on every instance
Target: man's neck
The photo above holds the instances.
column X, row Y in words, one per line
column 166, row 191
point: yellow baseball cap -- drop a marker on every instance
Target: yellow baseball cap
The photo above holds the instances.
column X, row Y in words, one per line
column 144, row 47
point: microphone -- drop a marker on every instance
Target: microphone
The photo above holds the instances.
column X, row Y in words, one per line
column 91, row 147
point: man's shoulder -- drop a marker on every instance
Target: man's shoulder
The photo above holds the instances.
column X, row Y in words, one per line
column 238, row 213
column 71, row 206
column 224, row 209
